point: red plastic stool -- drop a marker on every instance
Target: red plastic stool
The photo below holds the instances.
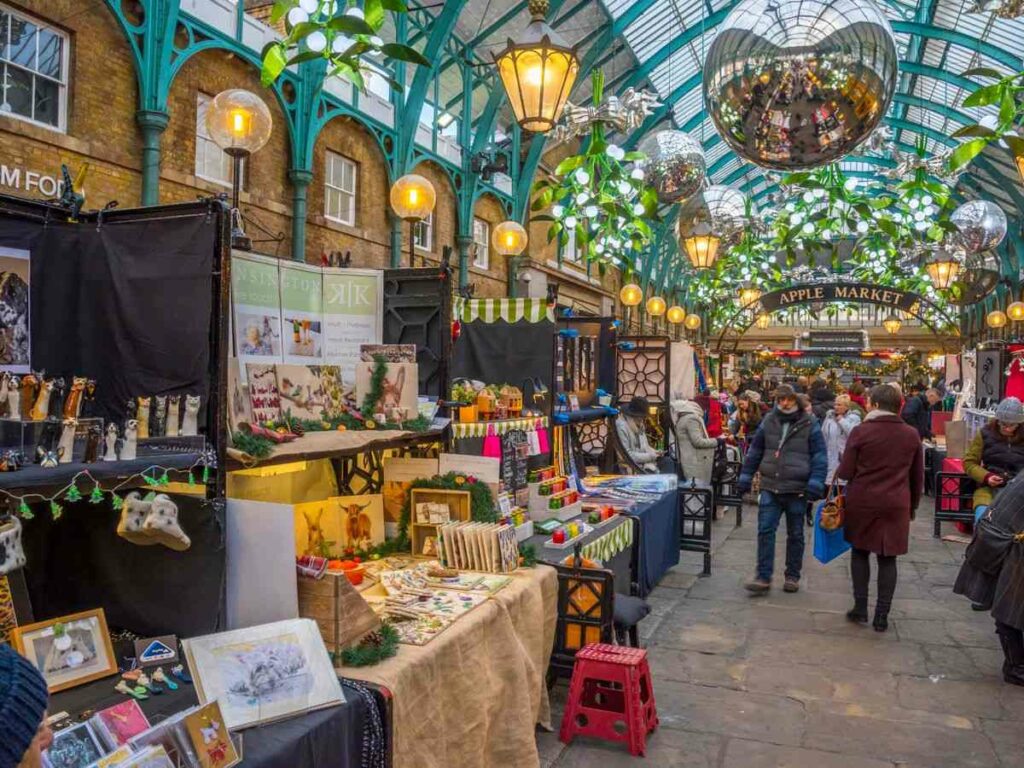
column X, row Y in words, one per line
column 611, row 697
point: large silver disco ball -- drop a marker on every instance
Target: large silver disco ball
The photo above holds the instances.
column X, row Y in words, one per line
column 981, row 225
column 977, row 279
column 796, row 84
column 675, row 165
column 720, row 209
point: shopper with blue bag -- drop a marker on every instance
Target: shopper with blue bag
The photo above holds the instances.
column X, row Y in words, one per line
column 883, row 466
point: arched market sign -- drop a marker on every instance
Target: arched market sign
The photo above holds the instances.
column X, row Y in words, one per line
column 864, row 293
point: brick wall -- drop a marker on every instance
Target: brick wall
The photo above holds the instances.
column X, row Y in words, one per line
column 102, row 131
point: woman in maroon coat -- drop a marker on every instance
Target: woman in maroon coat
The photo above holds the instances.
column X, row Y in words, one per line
column 883, row 465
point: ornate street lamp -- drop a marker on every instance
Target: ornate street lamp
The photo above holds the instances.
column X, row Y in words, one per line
column 701, row 248
column 631, row 295
column 1016, row 311
column 538, row 71
column 239, row 122
column 692, row 322
column 413, row 199
column 892, row 324
column 509, row 238
column 943, row 268
column 996, row 319
column 656, row 306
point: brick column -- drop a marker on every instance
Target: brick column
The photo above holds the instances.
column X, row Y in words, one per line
column 300, row 180
column 152, row 123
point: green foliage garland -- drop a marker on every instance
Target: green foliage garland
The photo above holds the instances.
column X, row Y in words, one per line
column 380, row 371
column 254, row 445
column 481, row 500
column 342, row 34
column 379, row 645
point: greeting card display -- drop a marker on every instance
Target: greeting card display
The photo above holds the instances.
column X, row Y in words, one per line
column 120, row 723
column 309, row 391
column 74, row 747
column 263, row 393
column 210, row 738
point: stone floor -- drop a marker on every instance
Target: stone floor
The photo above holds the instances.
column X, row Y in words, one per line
column 785, row 680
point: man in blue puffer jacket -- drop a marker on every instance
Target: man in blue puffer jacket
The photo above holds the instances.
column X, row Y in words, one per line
column 789, row 451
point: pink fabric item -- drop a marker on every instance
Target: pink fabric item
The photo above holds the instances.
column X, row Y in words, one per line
column 1015, row 379
column 492, row 444
column 542, row 436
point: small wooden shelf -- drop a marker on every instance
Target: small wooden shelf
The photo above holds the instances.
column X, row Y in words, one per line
column 459, row 504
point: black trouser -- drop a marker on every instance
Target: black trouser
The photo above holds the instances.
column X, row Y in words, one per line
column 860, row 571
column 1012, row 640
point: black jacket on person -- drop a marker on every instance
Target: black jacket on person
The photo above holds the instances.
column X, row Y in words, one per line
column 823, row 400
column 1004, row 591
column 918, row 413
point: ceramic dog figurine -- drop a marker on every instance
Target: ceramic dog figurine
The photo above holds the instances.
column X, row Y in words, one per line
column 41, row 407
column 130, row 442
column 14, row 398
column 49, row 459
column 73, row 403
column 111, row 443
column 190, row 424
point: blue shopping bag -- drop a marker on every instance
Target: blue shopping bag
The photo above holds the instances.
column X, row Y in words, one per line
column 828, row 545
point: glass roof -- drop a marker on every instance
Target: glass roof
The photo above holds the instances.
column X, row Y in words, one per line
column 936, row 40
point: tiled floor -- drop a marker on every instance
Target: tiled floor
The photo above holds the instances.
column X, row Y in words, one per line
column 785, row 680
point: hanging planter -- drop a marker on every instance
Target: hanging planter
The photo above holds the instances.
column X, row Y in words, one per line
column 600, row 195
column 337, row 31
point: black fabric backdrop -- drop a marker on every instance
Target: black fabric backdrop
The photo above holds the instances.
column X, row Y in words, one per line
column 126, row 302
column 126, row 299
column 501, row 352
column 78, row 562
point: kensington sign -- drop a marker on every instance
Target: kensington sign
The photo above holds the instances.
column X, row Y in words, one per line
column 862, row 293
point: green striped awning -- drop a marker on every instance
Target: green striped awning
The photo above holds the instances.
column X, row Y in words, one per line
column 509, row 310
column 609, row 545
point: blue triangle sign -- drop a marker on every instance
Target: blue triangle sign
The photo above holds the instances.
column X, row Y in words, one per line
column 156, row 651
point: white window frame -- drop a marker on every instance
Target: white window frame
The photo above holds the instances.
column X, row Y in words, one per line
column 330, row 159
column 570, row 253
column 423, row 237
column 63, row 84
column 205, row 144
column 482, row 241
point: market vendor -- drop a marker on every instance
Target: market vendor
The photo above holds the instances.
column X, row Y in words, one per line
column 24, row 732
column 996, row 454
column 630, row 426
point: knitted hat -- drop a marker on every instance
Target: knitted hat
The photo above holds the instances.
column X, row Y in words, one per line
column 784, row 390
column 23, row 700
column 1010, row 411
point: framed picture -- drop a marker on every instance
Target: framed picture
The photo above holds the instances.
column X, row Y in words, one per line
column 337, row 523
column 309, row 391
column 264, row 673
column 264, row 399
column 69, row 650
column 74, row 747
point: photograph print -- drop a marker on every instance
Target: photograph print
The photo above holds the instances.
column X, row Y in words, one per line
column 15, row 265
column 69, row 650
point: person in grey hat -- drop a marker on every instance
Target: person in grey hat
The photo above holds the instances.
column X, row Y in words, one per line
column 996, row 453
column 631, row 429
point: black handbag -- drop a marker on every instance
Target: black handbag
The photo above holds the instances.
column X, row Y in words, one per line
column 990, row 546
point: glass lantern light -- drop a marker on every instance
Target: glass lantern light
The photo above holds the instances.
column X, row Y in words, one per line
column 943, row 268
column 538, row 71
column 892, row 324
column 656, row 306
column 239, row 122
column 1015, row 311
column 412, row 199
column 996, row 319
column 631, row 295
column 509, row 238
column 675, row 314
column 692, row 322
column 749, row 295
column 701, row 246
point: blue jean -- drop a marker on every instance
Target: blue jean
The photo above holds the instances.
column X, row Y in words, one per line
column 771, row 507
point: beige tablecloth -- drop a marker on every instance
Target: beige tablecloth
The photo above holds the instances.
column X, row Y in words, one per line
column 473, row 696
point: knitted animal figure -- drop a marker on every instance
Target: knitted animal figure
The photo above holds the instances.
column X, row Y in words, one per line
column 133, row 515
column 162, row 525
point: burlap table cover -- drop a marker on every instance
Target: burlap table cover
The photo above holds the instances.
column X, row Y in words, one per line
column 473, row 696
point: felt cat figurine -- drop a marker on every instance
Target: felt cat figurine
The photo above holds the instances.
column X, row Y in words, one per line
column 73, row 403
column 130, row 443
column 142, row 414
column 173, row 415
column 67, row 440
column 190, row 424
column 29, row 387
column 41, row 408
column 14, row 398
column 158, row 425
column 111, row 440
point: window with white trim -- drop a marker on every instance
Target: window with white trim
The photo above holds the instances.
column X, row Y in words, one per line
column 482, row 241
column 33, row 70
column 212, row 162
column 423, row 233
column 569, row 250
column 340, row 189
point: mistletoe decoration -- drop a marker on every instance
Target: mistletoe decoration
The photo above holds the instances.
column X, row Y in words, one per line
column 338, row 31
column 599, row 197
column 1007, row 93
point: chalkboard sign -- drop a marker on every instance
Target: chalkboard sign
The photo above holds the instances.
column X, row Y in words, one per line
column 514, row 452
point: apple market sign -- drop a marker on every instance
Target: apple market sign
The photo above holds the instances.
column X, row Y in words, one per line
column 863, row 293
column 15, row 177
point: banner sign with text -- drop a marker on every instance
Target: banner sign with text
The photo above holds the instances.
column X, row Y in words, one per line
column 353, row 310
column 830, row 292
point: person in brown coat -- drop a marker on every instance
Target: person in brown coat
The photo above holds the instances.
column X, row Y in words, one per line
column 883, row 465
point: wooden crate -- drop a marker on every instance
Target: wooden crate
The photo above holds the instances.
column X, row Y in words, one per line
column 458, row 502
column 338, row 609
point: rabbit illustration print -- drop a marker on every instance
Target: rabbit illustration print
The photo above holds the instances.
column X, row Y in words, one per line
column 398, row 389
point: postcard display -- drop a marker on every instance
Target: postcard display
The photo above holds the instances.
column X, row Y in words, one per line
column 118, row 380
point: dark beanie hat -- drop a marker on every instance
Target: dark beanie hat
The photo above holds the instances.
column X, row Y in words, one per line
column 23, row 700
